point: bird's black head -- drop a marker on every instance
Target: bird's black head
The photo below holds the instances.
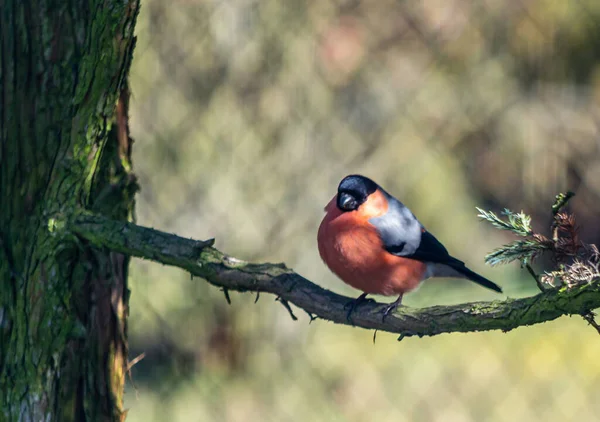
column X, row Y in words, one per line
column 353, row 191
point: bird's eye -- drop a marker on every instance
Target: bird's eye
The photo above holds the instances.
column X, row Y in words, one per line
column 349, row 205
column 347, row 202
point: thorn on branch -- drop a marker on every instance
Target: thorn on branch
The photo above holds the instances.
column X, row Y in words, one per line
column 375, row 336
column 257, row 297
column 226, row 293
column 401, row 337
column 287, row 306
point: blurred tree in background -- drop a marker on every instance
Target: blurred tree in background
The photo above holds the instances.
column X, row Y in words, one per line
column 247, row 114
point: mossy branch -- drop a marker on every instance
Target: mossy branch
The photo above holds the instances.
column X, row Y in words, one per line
column 202, row 260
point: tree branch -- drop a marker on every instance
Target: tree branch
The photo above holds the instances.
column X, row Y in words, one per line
column 202, row 260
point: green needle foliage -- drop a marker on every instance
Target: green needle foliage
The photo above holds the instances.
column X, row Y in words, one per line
column 524, row 251
column 575, row 260
column 518, row 223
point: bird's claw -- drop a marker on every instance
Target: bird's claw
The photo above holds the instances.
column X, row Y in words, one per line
column 391, row 308
column 353, row 304
column 388, row 310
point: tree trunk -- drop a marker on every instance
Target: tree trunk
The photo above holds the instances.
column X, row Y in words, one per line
column 64, row 145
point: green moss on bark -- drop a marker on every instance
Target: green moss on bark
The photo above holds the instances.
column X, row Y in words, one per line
column 63, row 68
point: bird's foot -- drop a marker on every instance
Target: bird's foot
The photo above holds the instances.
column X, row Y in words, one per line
column 353, row 304
column 391, row 308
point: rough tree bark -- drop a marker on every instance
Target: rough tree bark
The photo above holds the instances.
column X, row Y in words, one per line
column 64, row 145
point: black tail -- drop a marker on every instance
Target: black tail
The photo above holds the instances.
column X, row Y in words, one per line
column 473, row 276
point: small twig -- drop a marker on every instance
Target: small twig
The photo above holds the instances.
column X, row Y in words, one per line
column 590, row 318
column 560, row 202
column 401, row 337
column 135, row 360
column 226, row 293
column 130, row 365
column 311, row 316
column 535, row 277
column 287, row 306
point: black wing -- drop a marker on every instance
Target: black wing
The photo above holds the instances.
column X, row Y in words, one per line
column 430, row 249
column 403, row 235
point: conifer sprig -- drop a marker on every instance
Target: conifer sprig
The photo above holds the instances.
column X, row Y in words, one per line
column 524, row 251
column 575, row 260
column 518, row 223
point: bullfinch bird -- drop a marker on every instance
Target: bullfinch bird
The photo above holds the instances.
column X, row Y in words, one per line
column 374, row 243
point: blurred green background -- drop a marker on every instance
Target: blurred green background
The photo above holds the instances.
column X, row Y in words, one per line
column 246, row 114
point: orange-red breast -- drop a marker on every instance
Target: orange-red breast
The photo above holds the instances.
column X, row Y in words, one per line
column 374, row 243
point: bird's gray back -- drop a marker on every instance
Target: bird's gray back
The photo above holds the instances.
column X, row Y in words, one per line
column 399, row 229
